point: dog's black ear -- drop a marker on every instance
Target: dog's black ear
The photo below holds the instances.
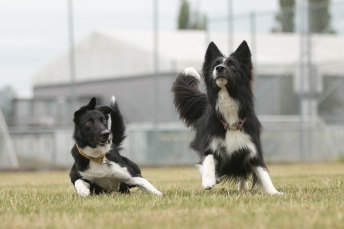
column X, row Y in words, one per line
column 105, row 109
column 90, row 106
column 212, row 53
column 242, row 53
column 79, row 112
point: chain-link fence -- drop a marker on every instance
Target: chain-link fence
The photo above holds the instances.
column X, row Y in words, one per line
column 299, row 75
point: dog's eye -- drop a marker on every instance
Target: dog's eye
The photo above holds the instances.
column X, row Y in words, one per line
column 232, row 67
column 104, row 121
column 88, row 124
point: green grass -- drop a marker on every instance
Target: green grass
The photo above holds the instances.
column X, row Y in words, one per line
column 314, row 198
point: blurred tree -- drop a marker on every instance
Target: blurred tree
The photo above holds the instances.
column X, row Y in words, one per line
column 319, row 16
column 285, row 18
column 184, row 15
column 186, row 20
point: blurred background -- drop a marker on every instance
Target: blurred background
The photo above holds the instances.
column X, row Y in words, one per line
column 56, row 55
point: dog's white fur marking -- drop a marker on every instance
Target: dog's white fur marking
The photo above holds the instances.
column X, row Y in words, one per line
column 96, row 152
column 106, row 176
column 110, row 176
column 234, row 139
column 227, row 106
column 192, row 72
column 144, row 185
column 214, row 75
column 221, row 82
column 208, row 172
column 113, row 100
column 82, row 187
column 265, row 180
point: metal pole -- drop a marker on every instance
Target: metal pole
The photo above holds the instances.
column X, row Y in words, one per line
column 305, row 87
column 230, row 26
column 71, row 56
column 253, row 39
column 156, row 106
column 311, row 89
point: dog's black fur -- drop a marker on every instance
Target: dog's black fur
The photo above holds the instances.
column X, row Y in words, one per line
column 91, row 132
column 201, row 111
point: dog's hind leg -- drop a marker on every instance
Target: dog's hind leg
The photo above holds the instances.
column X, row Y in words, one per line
column 243, row 184
column 143, row 185
column 208, row 172
column 265, row 180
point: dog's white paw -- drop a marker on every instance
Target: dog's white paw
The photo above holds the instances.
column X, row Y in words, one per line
column 157, row 192
column 208, row 174
column 82, row 188
column 192, row 72
column 208, row 180
column 144, row 185
column 277, row 193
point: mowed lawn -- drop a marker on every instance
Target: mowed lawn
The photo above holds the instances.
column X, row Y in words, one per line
column 314, row 198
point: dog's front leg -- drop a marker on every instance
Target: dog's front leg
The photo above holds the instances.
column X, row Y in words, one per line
column 82, row 187
column 144, row 185
column 265, row 180
column 208, row 172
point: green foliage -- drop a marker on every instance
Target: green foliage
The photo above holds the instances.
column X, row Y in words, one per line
column 285, row 18
column 184, row 15
column 312, row 199
column 188, row 20
column 319, row 16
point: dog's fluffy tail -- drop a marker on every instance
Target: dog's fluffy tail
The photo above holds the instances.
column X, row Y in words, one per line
column 117, row 124
column 188, row 99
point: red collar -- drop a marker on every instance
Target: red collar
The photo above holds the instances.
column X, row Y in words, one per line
column 234, row 126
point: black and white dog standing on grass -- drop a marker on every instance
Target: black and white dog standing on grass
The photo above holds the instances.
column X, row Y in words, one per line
column 227, row 128
column 98, row 165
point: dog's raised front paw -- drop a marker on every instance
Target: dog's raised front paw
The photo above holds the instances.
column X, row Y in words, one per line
column 82, row 188
column 158, row 193
column 277, row 193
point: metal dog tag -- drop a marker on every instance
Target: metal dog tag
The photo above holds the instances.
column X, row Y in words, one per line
column 105, row 161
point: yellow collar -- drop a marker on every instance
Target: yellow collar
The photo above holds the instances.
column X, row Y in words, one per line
column 98, row 159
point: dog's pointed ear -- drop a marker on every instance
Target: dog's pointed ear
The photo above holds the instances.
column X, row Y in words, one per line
column 212, row 53
column 105, row 109
column 243, row 53
column 90, row 106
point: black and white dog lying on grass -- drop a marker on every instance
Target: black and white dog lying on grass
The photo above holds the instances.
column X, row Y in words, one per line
column 98, row 165
column 227, row 128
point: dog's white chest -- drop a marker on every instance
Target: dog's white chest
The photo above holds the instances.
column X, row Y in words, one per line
column 227, row 106
column 234, row 139
column 108, row 176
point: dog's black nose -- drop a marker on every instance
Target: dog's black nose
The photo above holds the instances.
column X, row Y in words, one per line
column 105, row 134
column 220, row 68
